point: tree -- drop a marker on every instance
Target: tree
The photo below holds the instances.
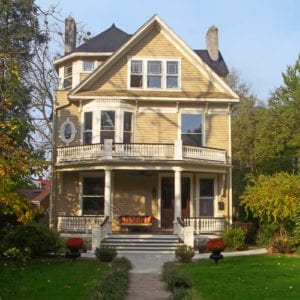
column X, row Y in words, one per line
column 273, row 199
column 19, row 30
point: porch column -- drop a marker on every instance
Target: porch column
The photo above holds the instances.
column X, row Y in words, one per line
column 107, row 193
column 177, row 193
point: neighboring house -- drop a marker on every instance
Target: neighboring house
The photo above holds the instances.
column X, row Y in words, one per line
column 142, row 127
column 39, row 194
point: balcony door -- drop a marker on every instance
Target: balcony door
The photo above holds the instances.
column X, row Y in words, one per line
column 167, row 200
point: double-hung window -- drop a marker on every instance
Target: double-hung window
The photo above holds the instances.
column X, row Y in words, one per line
column 67, row 83
column 154, row 74
column 191, row 129
column 162, row 74
column 93, row 196
column 88, row 128
column 127, row 127
column 136, row 71
column 107, row 129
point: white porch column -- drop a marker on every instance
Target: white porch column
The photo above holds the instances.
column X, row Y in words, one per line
column 107, row 193
column 107, row 197
column 177, row 190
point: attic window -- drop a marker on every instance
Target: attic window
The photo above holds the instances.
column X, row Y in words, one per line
column 161, row 74
column 67, row 83
column 88, row 65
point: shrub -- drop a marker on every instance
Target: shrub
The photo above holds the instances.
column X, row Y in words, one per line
column 184, row 253
column 115, row 283
column 174, row 278
column 265, row 234
column 17, row 255
column 106, row 253
column 282, row 244
column 34, row 238
column 234, row 238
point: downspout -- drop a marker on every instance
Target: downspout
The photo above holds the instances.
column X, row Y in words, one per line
column 230, row 167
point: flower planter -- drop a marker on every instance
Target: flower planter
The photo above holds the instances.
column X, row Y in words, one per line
column 216, row 246
column 74, row 245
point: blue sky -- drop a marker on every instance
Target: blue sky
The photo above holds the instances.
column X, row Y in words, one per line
column 257, row 38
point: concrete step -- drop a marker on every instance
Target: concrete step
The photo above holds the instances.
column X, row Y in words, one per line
column 139, row 242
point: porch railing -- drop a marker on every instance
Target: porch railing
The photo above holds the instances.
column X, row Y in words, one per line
column 78, row 223
column 206, row 224
column 175, row 151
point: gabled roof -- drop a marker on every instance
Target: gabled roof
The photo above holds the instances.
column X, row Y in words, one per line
column 219, row 66
column 198, row 58
column 107, row 41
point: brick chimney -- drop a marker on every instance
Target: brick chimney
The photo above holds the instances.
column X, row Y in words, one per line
column 212, row 43
column 70, row 35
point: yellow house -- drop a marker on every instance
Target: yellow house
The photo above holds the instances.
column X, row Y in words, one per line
column 142, row 128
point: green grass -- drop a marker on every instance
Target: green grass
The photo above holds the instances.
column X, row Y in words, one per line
column 246, row 277
column 50, row 279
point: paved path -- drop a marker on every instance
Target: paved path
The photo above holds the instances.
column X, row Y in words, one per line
column 145, row 283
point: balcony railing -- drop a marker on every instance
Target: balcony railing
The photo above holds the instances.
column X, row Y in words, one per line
column 108, row 150
column 78, row 223
column 206, row 224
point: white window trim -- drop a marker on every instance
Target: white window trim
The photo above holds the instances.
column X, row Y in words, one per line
column 96, row 108
column 193, row 112
column 145, row 73
column 62, row 132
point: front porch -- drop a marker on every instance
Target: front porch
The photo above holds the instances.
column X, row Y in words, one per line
column 84, row 224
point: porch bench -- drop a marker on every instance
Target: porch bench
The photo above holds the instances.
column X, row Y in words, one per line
column 135, row 221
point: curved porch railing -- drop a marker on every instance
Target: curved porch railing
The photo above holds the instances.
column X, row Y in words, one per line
column 108, row 150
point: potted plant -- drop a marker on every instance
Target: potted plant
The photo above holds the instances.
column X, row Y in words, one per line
column 74, row 245
column 216, row 246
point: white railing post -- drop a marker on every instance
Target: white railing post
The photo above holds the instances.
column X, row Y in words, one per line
column 178, row 150
column 189, row 236
column 108, row 149
column 96, row 237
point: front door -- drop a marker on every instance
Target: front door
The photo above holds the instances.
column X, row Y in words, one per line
column 167, row 200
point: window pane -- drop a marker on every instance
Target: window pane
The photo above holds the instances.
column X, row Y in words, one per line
column 192, row 139
column 136, row 67
column 93, row 186
column 88, row 120
column 127, row 127
column 206, row 187
column 206, row 207
column 136, row 81
column 88, row 65
column 154, row 67
column 87, row 138
column 154, row 82
column 93, row 205
column 172, row 82
column 172, row 67
column 107, row 120
column 191, row 123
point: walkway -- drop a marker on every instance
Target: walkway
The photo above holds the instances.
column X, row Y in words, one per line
column 145, row 280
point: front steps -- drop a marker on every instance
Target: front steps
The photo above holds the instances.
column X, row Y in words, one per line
column 143, row 242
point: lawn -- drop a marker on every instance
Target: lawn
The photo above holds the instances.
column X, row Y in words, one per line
column 50, row 279
column 246, row 277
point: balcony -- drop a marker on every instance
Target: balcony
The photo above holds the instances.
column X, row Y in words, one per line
column 144, row 151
